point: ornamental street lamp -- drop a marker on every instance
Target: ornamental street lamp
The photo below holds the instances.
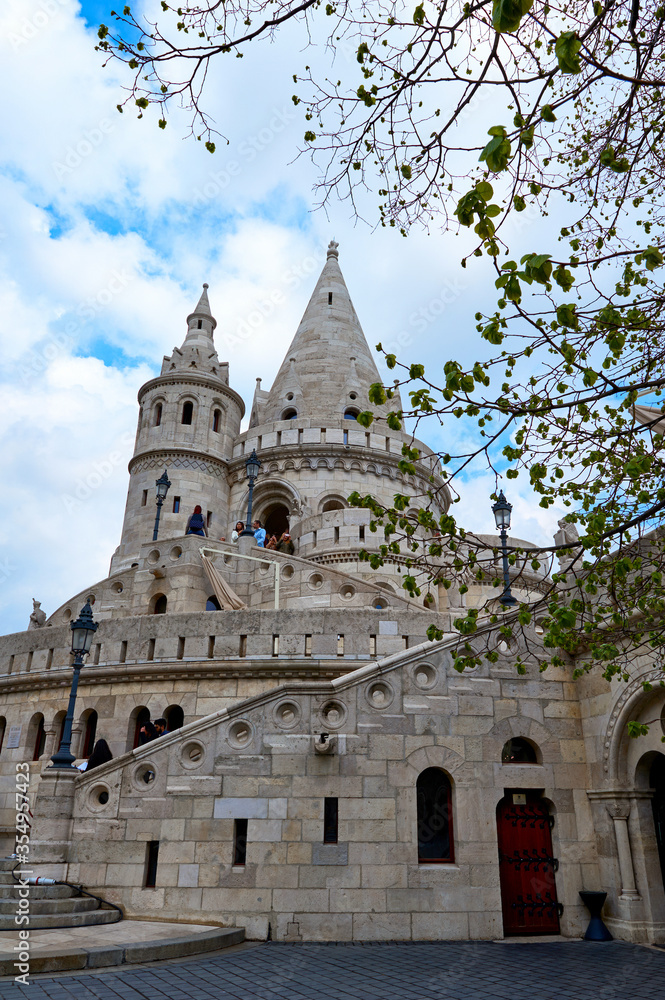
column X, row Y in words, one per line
column 162, row 485
column 502, row 510
column 253, row 464
column 83, row 630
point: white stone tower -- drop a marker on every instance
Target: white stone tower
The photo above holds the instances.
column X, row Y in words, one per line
column 188, row 420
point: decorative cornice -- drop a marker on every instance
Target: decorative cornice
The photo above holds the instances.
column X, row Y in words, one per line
column 179, row 458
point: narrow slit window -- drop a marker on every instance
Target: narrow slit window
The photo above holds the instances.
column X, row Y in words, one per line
column 336, row 535
column 144, row 498
column 49, row 659
column 98, row 652
column 387, row 444
column 216, row 418
column 187, row 412
column 239, row 841
column 11, row 664
column 242, row 651
column 279, row 438
column 346, row 437
column 435, row 817
column 176, row 505
column 199, row 325
column 308, row 645
column 275, row 645
column 151, row 858
column 211, row 647
column 158, row 415
column 405, row 640
column 367, row 439
column 151, row 649
column 361, row 533
column 330, row 298
column 372, row 645
column 340, row 645
column 181, row 647
column 314, row 539
column 28, row 665
column 330, row 821
column 208, row 518
column 123, row 651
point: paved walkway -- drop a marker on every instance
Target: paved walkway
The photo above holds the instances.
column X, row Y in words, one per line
column 428, row 971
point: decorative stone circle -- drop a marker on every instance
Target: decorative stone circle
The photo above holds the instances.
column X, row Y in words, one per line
column 287, row 714
column 333, row 714
column 117, row 587
column 315, row 581
column 425, row 676
column 67, row 614
column 175, row 552
column 192, row 754
column 240, row 734
column 379, row 695
column 98, row 798
column 153, row 556
column 347, row 591
column 287, row 571
column 144, row 775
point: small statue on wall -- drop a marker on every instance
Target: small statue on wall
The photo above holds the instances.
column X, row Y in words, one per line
column 38, row 617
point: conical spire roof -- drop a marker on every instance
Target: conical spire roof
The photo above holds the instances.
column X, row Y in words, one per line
column 328, row 353
column 198, row 348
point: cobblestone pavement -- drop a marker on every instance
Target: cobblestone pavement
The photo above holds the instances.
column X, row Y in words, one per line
column 437, row 970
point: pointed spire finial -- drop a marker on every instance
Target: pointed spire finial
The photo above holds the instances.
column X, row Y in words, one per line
column 332, row 249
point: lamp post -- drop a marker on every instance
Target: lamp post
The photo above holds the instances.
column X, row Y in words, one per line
column 253, row 464
column 83, row 630
column 502, row 510
column 162, row 485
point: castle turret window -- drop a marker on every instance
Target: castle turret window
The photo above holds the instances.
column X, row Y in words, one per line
column 157, row 419
column 187, row 412
column 216, row 420
column 289, row 414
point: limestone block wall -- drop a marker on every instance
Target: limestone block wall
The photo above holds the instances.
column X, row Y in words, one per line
column 305, row 464
column 258, row 761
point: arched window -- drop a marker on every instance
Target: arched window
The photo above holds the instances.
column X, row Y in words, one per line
column 37, row 726
column 332, row 505
column 216, row 420
column 89, row 733
column 159, row 603
column 519, row 751
column 59, row 727
column 212, row 604
column 138, row 718
column 175, row 717
column 157, row 419
column 187, row 412
column 350, row 413
column 435, row 817
column 289, row 413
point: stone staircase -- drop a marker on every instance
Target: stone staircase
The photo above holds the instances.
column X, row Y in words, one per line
column 50, row 905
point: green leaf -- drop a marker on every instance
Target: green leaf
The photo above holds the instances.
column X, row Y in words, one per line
column 419, row 14
column 406, row 171
column 365, row 418
column 310, row 136
column 547, row 114
column 507, row 14
column 377, row 394
column 210, row 146
column 496, row 153
column 567, row 50
column 519, row 203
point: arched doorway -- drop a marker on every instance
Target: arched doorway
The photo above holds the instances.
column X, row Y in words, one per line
column 657, row 782
column 526, row 865
column 276, row 520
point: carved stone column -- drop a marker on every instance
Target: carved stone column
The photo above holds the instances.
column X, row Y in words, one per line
column 620, row 811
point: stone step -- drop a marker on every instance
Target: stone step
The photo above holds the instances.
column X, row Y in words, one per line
column 44, row 920
column 127, row 942
column 39, row 892
column 74, row 904
column 6, row 864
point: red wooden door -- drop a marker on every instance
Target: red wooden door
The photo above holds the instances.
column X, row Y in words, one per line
column 526, row 865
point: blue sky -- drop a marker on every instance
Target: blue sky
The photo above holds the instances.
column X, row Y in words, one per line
column 109, row 227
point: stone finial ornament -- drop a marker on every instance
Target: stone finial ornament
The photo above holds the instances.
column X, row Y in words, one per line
column 332, row 249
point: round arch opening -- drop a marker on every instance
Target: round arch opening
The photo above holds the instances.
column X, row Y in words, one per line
column 275, row 520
